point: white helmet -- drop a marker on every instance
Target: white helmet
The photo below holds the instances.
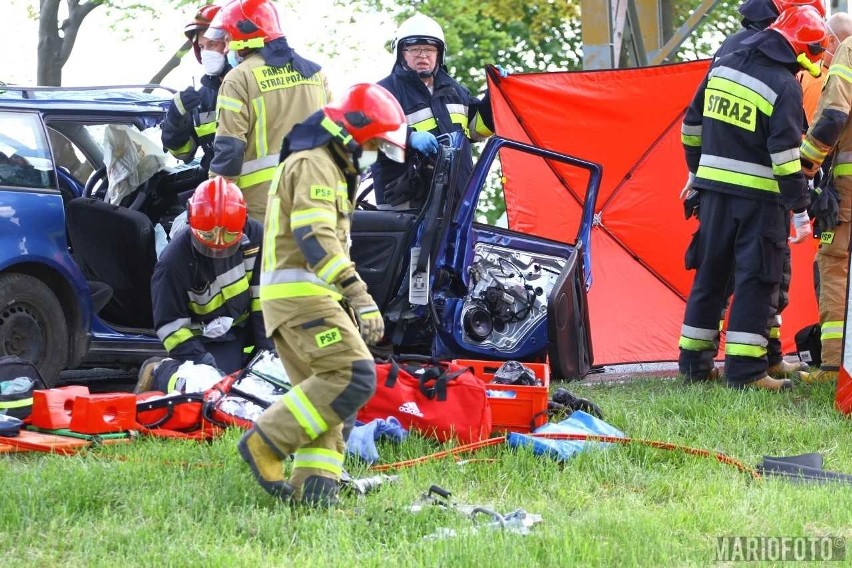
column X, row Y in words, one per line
column 422, row 28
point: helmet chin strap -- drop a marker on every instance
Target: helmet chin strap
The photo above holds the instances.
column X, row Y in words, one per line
column 811, row 67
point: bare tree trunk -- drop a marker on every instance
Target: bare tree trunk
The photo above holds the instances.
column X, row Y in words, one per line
column 56, row 41
column 173, row 62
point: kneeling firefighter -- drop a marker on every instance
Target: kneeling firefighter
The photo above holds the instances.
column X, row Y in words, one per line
column 316, row 307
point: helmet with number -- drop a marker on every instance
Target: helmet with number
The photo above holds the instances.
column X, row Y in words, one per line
column 420, row 30
column 805, row 31
column 217, row 214
column 367, row 111
column 199, row 25
column 247, row 24
column 784, row 4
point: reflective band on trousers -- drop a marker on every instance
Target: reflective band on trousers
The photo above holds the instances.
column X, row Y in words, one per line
column 831, row 330
column 745, row 344
column 697, row 338
column 305, row 413
column 319, row 458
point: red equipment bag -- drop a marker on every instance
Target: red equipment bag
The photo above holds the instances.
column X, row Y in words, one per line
column 435, row 398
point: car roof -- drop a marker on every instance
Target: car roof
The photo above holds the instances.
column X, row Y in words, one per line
column 118, row 98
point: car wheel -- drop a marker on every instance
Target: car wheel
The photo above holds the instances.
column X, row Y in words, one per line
column 32, row 325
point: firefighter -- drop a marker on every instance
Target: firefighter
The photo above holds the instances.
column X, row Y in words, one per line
column 191, row 119
column 831, row 131
column 741, row 136
column 839, row 27
column 312, row 296
column 271, row 89
column 757, row 15
column 434, row 104
column 205, row 289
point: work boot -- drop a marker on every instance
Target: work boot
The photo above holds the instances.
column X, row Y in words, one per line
column 820, row 376
column 711, row 377
column 770, row 384
column 319, row 492
column 785, row 368
column 145, row 379
column 266, row 464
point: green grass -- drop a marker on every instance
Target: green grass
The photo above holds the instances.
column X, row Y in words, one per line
column 174, row 503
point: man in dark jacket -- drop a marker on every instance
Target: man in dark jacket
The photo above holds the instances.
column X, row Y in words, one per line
column 434, row 103
column 190, row 122
column 741, row 135
column 205, row 289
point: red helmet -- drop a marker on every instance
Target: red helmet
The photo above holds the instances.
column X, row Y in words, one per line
column 248, row 23
column 199, row 25
column 805, row 31
column 782, row 5
column 370, row 112
column 217, row 214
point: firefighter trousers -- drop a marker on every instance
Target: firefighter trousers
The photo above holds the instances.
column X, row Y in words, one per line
column 833, row 264
column 739, row 239
column 333, row 375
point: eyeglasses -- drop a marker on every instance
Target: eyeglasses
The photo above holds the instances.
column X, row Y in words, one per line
column 422, row 51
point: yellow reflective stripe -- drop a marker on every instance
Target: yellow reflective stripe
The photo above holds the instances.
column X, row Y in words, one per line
column 255, row 178
column 425, row 125
column 255, row 305
column 178, row 337
column 461, row 120
column 228, row 103
column 172, row 384
column 273, row 213
column 305, row 217
column 230, row 291
column 730, row 87
column 332, row 269
column 253, row 43
column 811, row 152
column 831, row 330
column 690, row 140
column 696, row 344
column 205, row 129
column 480, row 128
column 842, row 169
column 17, row 403
column 185, row 149
column 319, row 458
column 260, row 143
column 841, row 71
column 787, row 168
column 743, row 350
column 305, row 412
column 282, row 290
column 774, row 333
column 744, row 180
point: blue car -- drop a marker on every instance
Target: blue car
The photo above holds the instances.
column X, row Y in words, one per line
column 76, row 259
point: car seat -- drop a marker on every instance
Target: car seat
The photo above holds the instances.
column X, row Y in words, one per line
column 115, row 246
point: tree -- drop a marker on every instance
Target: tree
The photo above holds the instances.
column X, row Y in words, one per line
column 60, row 22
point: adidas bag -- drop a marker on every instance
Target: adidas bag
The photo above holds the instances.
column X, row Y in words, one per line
column 809, row 345
column 18, row 380
column 438, row 399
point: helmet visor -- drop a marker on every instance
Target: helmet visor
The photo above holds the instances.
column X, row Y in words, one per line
column 216, row 243
column 392, row 151
column 216, row 34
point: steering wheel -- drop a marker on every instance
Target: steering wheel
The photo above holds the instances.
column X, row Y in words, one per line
column 97, row 184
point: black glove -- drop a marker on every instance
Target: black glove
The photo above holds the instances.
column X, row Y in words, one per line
column 690, row 204
column 189, row 100
column 825, row 208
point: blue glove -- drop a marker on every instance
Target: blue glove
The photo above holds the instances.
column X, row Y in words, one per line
column 362, row 439
column 424, row 142
column 501, row 71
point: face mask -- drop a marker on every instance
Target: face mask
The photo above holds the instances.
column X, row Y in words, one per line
column 234, row 59
column 213, row 62
column 367, row 159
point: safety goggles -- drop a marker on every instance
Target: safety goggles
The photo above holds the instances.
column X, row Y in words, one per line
column 218, row 236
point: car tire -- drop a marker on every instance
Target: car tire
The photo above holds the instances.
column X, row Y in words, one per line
column 32, row 325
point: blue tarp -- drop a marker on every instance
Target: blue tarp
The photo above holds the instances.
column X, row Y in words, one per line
column 561, row 450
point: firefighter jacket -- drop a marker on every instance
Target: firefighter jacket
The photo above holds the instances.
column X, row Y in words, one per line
column 829, row 128
column 190, row 290
column 742, row 131
column 184, row 134
column 307, row 228
column 259, row 102
column 448, row 107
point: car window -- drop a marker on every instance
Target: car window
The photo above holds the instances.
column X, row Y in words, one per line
column 24, row 154
column 491, row 208
column 69, row 155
